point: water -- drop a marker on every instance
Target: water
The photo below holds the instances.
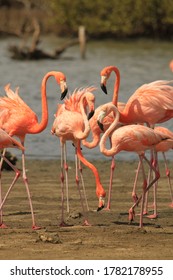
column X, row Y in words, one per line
column 139, row 62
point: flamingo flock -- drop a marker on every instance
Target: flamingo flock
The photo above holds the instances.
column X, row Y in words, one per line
column 129, row 127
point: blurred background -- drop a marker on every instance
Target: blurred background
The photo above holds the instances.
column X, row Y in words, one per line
column 40, row 36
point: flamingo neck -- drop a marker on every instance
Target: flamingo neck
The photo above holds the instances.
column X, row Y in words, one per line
column 39, row 127
column 107, row 133
column 99, row 188
column 93, row 143
column 83, row 134
column 116, row 85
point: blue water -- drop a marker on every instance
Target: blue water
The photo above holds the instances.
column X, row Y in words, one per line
column 139, row 62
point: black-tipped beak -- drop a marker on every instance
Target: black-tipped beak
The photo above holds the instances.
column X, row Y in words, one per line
column 100, row 125
column 100, row 208
column 90, row 114
column 63, row 94
column 103, row 87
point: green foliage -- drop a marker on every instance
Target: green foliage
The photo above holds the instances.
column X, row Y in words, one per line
column 111, row 18
column 125, row 18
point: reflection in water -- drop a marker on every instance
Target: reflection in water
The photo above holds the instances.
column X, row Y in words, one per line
column 139, row 62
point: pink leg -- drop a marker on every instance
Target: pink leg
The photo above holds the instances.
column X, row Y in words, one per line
column 110, row 185
column 134, row 195
column 25, row 179
column 145, row 189
column 156, row 168
column 86, row 223
column 1, row 213
column 169, row 180
column 17, row 174
column 63, row 152
column 83, row 185
column 110, row 181
column 66, row 176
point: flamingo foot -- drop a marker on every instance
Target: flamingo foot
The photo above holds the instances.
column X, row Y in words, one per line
column 145, row 213
column 171, row 205
column 3, row 226
column 107, row 208
column 153, row 216
column 63, row 224
column 86, row 223
column 36, row 227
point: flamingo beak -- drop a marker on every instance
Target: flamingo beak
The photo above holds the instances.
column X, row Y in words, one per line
column 100, row 125
column 100, row 119
column 103, row 84
column 91, row 113
column 64, row 89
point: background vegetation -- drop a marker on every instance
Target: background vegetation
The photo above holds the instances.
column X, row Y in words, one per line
column 102, row 19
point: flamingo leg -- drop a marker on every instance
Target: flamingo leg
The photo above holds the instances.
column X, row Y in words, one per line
column 86, row 223
column 1, row 162
column 66, row 175
column 108, row 207
column 146, row 187
column 169, row 179
column 25, row 179
column 134, row 195
column 17, row 174
column 62, row 223
column 149, row 178
column 83, row 185
column 155, row 185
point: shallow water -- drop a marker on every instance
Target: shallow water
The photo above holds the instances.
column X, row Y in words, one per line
column 139, row 62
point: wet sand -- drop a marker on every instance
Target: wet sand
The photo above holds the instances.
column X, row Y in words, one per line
column 110, row 235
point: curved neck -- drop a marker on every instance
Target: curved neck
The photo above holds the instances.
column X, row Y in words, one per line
column 99, row 188
column 107, row 133
column 93, row 143
column 83, row 134
column 116, row 85
column 39, row 127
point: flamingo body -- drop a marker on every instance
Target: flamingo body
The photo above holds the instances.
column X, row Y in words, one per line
column 18, row 119
column 132, row 138
column 151, row 103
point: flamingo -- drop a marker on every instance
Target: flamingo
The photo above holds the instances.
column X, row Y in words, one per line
column 7, row 141
column 17, row 118
column 132, row 138
column 71, row 124
column 150, row 104
column 95, row 129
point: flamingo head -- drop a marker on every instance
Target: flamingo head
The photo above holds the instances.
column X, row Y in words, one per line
column 61, row 80
column 101, row 204
column 105, row 74
column 89, row 101
column 100, row 118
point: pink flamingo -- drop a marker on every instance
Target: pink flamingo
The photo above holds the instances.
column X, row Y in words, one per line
column 18, row 119
column 131, row 138
column 7, row 141
column 95, row 129
column 71, row 124
column 150, row 104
